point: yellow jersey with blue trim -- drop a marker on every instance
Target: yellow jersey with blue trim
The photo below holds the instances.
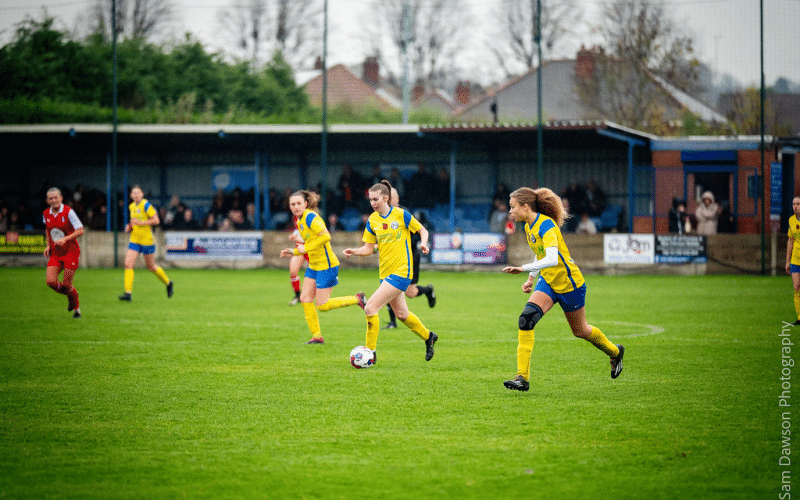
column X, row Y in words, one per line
column 543, row 233
column 392, row 234
column 794, row 232
column 317, row 241
column 143, row 211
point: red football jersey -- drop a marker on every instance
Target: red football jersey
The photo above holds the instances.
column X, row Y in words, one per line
column 64, row 222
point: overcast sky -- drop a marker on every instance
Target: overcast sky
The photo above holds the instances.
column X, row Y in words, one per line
column 726, row 32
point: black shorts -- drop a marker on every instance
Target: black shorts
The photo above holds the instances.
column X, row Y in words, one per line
column 415, row 256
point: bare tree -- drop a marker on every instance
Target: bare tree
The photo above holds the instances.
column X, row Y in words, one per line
column 639, row 41
column 259, row 28
column 136, row 19
column 438, row 31
column 515, row 22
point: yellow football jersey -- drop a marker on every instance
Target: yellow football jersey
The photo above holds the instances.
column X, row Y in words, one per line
column 312, row 228
column 393, row 237
column 794, row 232
column 142, row 235
column 544, row 233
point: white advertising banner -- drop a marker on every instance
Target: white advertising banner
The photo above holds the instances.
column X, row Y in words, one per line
column 212, row 245
column 628, row 248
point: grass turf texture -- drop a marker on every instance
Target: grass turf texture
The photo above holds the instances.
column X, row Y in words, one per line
column 212, row 394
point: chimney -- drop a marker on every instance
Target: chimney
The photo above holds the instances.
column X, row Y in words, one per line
column 318, row 64
column 370, row 72
column 463, row 92
column 419, row 90
column 584, row 63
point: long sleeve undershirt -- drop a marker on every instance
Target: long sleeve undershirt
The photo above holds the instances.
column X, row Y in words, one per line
column 550, row 259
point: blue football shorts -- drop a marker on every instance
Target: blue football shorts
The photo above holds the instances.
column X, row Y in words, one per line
column 570, row 301
column 326, row 278
column 397, row 282
column 142, row 249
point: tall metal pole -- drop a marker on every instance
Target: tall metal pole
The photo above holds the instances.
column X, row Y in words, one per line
column 406, row 40
column 762, row 147
column 540, row 124
column 323, row 167
column 114, row 205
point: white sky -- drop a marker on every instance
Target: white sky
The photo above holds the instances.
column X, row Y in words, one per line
column 726, row 32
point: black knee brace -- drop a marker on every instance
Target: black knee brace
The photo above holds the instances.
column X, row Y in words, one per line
column 530, row 316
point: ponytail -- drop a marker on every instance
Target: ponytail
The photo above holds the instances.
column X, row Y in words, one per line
column 543, row 201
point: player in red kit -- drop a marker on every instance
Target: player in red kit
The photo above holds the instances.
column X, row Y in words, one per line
column 62, row 228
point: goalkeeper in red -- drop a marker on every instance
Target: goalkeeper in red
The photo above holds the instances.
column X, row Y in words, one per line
column 559, row 281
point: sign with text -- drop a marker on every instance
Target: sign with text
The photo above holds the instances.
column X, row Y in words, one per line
column 674, row 249
column 469, row 248
column 775, row 190
column 211, row 245
column 23, row 243
column 628, row 248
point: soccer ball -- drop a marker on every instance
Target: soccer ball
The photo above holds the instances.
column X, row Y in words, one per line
column 362, row 357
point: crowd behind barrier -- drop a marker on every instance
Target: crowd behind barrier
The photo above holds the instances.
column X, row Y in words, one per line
column 347, row 206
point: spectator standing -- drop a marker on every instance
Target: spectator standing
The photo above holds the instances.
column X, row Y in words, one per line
column 678, row 219
column 707, row 214
column 501, row 193
column 186, row 221
column 586, row 225
column 498, row 218
column 351, row 186
column 576, row 196
column 173, row 212
column 396, row 179
column 442, row 194
column 596, row 199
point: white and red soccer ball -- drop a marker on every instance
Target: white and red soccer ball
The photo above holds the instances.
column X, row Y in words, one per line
column 362, row 357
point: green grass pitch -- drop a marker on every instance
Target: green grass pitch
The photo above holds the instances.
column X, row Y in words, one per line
column 212, row 394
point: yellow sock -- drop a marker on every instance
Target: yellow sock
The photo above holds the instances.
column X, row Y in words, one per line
column 161, row 275
column 601, row 342
column 373, row 327
column 312, row 318
column 797, row 304
column 128, row 280
column 524, row 349
column 416, row 326
column 337, row 302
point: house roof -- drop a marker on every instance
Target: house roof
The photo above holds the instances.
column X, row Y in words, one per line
column 695, row 106
column 435, row 99
column 344, row 87
column 560, row 100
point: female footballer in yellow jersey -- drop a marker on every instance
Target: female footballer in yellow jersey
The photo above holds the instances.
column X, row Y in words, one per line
column 322, row 273
column 560, row 280
column 389, row 228
column 143, row 217
column 793, row 254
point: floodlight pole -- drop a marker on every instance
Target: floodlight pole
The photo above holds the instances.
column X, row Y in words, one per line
column 540, row 124
column 762, row 147
column 406, row 40
column 114, row 205
column 323, row 167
